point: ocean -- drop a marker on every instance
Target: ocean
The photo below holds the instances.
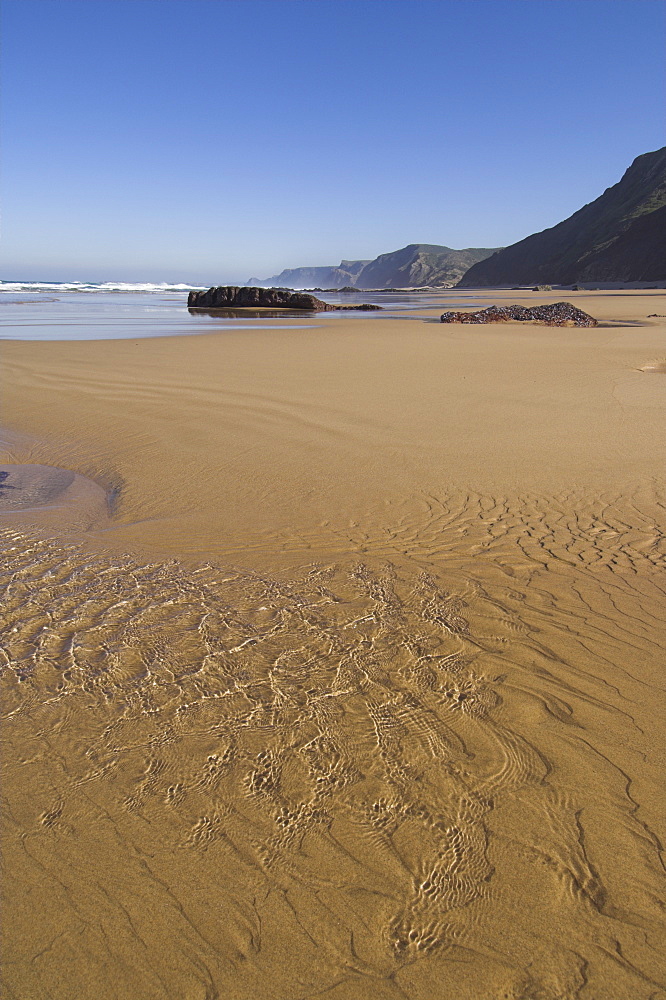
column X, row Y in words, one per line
column 75, row 310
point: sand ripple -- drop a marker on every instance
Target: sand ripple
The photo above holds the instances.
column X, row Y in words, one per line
column 397, row 777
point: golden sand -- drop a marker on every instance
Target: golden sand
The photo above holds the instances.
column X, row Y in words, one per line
column 357, row 688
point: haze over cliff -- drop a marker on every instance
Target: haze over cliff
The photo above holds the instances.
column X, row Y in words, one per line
column 328, row 276
column 411, row 267
column 619, row 237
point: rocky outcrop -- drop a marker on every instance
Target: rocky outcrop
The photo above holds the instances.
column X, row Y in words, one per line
column 362, row 306
column 227, row 296
column 556, row 314
column 241, row 297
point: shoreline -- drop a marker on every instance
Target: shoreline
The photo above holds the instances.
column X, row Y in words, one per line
column 224, row 435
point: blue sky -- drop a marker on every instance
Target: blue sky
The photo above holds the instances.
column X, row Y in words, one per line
column 212, row 140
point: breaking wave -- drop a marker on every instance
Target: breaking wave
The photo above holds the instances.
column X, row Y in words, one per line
column 89, row 286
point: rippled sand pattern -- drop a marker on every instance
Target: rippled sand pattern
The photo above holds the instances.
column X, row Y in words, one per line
column 433, row 773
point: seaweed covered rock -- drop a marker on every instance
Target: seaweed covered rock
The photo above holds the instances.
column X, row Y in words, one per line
column 555, row 314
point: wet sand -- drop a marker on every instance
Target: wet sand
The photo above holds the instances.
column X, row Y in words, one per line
column 356, row 688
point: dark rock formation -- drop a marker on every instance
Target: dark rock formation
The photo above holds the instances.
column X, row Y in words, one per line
column 556, row 314
column 237, row 297
column 620, row 237
column 226, row 296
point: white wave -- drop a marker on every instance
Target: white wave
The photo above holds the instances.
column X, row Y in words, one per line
column 89, row 286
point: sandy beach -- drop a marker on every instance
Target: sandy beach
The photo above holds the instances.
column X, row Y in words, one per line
column 276, row 440
column 344, row 674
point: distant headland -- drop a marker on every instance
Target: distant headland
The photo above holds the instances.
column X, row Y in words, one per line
column 411, row 267
column 618, row 238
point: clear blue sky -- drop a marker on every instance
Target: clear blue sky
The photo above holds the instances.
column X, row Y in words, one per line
column 212, row 140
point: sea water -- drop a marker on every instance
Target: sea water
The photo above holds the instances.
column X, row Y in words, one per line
column 74, row 310
column 107, row 311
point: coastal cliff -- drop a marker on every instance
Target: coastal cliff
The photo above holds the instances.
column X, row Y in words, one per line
column 619, row 237
column 413, row 266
